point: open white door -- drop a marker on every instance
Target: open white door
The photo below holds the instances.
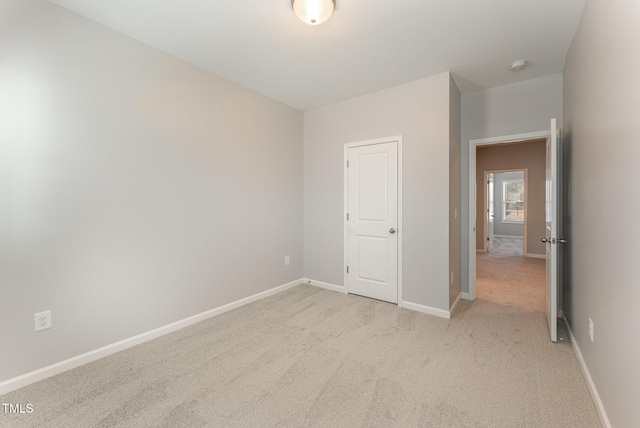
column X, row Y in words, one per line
column 552, row 217
column 490, row 211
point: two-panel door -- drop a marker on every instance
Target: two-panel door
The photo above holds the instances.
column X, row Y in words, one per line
column 372, row 209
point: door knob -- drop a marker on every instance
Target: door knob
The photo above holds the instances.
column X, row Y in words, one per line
column 545, row 240
column 392, row 230
column 562, row 241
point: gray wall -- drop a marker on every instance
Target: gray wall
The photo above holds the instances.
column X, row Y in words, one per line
column 530, row 156
column 601, row 129
column 499, row 227
column 512, row 109
column 419, row 111
column 137, row 189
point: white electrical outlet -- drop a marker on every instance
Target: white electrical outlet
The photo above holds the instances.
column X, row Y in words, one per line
column 591, row 329
column 42, row 321
column 286, row 260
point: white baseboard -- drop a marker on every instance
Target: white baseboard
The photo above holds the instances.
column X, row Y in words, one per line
column 507, row 236
column 79, row 360
column 325, row 285
column 404, row 304
column 455, row 304
column 426, row 309
column 535, row 256
column 604, row 419
column 480, row 250
column 465, row 296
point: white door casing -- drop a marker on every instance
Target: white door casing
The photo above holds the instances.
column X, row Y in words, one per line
column 372, row 220
column 473, row 216
column 551, row 218
column 489, row 212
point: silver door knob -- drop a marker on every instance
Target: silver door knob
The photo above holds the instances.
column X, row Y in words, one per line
column 392, row 230
column 545, row 240
column 562, row 241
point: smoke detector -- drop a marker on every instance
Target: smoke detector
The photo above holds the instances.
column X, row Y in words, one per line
column 518, row 65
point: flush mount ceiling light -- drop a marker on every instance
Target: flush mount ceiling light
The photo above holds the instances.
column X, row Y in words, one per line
column 313, row 12
column 518, row 65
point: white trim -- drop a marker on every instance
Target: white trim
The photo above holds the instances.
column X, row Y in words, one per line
column 455, row 304
column 514, row 138
column 345, row 211
column 604, row 419
column 480, row 250
column 325, row 285
column 507, row 236
column 465, row 296
column 79, row 360
column 473, row 192
column 426, row 309
column 536, row 256
column 400, row 228
column 485, row 212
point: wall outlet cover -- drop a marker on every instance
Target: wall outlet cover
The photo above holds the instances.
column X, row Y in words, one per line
column 41, row 321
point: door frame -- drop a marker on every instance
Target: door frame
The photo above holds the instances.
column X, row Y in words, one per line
column 397, row 139
column 473, row 144
column 525, row 173
column 485, row 210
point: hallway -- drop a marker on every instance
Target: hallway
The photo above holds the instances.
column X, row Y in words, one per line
column 505, row 277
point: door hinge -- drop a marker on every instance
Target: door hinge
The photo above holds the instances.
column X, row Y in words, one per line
column 347, row 164
column 347, row 216
column 347, row 269
column 487, row 238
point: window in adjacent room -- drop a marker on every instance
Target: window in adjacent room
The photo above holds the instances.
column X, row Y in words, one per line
column 513, row 201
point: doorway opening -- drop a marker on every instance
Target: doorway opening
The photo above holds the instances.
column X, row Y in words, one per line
column 552, row 230
column 504, row 207
column 506, row 261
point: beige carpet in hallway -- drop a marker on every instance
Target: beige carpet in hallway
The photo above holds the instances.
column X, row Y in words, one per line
column 504, row 276
column 312, row 357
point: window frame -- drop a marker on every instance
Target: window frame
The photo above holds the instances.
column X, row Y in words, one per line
column 503, row 217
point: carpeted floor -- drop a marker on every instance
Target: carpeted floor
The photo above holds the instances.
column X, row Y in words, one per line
column 312, row 357
column 505, row 276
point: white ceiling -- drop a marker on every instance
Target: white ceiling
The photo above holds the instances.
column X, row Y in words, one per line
column 367, row 45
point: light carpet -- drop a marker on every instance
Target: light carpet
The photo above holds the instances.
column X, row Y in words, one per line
column 505, row 276
column 312, row 357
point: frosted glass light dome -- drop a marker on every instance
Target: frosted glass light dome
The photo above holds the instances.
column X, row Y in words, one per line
column 313, row 12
